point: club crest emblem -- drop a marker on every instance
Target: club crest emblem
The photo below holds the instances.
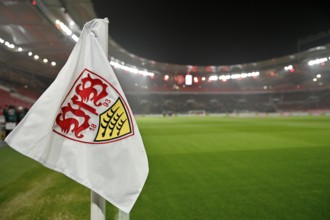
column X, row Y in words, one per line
column 93, row 112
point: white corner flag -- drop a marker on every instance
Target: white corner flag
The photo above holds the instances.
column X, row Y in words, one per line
column 83, row 127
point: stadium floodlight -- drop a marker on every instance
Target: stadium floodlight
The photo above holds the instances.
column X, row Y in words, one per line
column 188, row 80
column 213, row 78
column 20, row 49
column 256, row 73
column 224, row 77
column 288, row 67
column 235, row 76
column 75, row 37
column 131, row 69
column 9, row 45
column 317, row 61
column 196, row 79
column 244, row 75
column 63, row 27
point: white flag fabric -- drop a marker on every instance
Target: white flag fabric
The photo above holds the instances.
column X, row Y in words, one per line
column 83, row 127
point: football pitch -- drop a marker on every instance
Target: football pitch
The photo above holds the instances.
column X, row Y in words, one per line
column 203, row 168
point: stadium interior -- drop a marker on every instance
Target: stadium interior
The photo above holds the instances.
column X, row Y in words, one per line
column 262, row 151
column 36, row 38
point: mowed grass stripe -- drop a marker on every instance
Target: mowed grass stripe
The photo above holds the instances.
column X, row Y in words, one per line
column 259, row 184
column 204, row 134
column 200, row 168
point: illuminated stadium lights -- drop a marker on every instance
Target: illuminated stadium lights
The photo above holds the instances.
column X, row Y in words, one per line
column 20, row 49
column 317, row 61
column 188, row 80
column 213, row 78
column 224, row 77
column 196, row 79
column 131, row 69
column 75, row 37
column 166, row 77
column 9, row 45
column 253, row 74
column 53, row 63
column 318, row 76
column 244, row 75
column 235, row 76
column 60, row 25
column 238, row 75
column 288, row 68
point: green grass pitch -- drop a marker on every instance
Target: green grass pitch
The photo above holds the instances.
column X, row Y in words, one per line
column 199, row 168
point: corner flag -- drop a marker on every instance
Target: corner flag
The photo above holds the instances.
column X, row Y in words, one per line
column 83, row 127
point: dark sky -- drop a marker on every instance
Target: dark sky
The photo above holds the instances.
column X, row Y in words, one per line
column 202, row 33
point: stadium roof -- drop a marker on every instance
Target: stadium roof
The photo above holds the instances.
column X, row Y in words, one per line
column 36, row 38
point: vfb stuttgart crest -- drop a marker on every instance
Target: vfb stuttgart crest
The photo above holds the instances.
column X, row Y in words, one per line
column 93, row 112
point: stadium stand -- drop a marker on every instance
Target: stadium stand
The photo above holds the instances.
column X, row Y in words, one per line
column 296, row 82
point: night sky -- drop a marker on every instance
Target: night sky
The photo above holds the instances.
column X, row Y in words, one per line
column 205, row 34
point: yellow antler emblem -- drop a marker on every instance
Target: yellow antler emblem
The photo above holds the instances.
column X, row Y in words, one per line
column 113, row 123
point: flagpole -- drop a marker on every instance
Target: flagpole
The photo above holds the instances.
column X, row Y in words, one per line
column 122, row 215
column 97, row 206
column 98, row 203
